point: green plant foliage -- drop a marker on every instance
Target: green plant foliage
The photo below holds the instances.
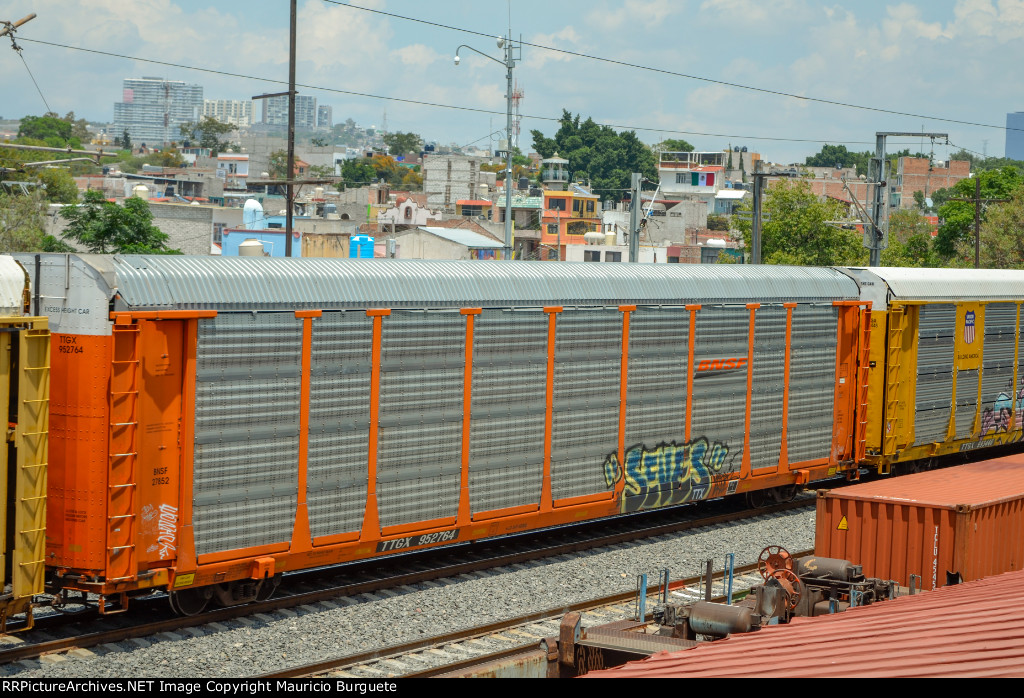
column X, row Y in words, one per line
column 100, row 226
column 599, row 154
column 957, row 217
column 797, row 229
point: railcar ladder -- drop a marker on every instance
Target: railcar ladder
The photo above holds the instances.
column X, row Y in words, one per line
column 122, row 486
column 32, row 442
column 861, row 437
column 894, row 350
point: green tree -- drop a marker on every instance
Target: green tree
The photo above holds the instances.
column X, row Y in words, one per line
column 958, row 216
column 23, row 224
column 60, row 185
column 673, row 145
column 206, row 133
column 1002, row 236
column 126, row 141
column 909, row 241
column 797, row 229
column 319, row 142
column 402, row 143
column 103, row 227
column 278, row 168
column 599, row 154
column 49, row 128
column 357, row 172
column 839, row 156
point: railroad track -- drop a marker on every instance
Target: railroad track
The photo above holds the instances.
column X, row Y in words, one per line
column 80, row 632
column 452, row 652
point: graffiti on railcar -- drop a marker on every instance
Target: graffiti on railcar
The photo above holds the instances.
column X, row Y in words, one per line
column 667, row 474
column 996, row 418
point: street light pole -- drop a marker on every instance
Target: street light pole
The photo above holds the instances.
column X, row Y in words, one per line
column 509, row 64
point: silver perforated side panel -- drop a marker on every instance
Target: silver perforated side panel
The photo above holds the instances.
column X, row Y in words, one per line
column 966, row 401
column 766, row 400
column 246, row 431
column 588, row 366
column 659, row 340
column 997, row 366
column 720, row 389
column 935, row 349
column 419, row 451
column 812, row 382
column 339, row 422
column 506, row 432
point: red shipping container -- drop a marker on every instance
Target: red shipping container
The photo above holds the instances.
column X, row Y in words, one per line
column 967, row 520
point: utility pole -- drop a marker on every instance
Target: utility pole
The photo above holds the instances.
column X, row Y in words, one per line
column 978, row 201
column 635, row 210
column 290, row 195
column 9, row 27
column 876, row 232
column 759, row 177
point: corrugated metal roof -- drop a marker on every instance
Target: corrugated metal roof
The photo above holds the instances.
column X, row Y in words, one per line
column 12, row 287
column 968, row 630
column 464, row 237
column 950, row 284
column 987, row 482
column 152, row 282
column 730, row 194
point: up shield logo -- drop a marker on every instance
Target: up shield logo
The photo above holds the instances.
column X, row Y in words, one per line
column 969, row 327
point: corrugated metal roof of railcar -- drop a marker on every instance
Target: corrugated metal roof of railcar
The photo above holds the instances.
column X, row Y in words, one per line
column 976, row 485
column 952, row 284
column 237, row 283
column 907, row 637
column 12, row 287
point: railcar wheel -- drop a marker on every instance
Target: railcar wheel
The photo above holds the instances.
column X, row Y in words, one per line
column 268, row 587
column 190, row 602
column 772, row 559
column 758, row 499
column 790, row 584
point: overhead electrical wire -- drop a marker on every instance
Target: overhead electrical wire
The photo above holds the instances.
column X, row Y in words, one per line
column 673, row 73
column 405, row 100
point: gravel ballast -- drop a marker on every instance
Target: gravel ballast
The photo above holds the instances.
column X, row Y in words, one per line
column 264, row 643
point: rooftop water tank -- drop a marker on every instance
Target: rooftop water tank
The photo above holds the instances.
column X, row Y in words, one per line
column 250, row 247
column 252, row 215
column 141, row 191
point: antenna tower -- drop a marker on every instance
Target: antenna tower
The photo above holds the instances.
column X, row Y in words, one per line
column 517, row 95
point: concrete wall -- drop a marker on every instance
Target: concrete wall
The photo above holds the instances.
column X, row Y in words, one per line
column 449, row 178
column 325, row 245
column 416, row 244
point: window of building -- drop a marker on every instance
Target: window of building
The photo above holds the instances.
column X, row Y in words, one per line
column 556, row 204
column 552, row 229
column 590, row 207
column 673, row 260
column 576, row 205
column 613, row 256
column 682, row 177
column 218, row 232
column 591, row 255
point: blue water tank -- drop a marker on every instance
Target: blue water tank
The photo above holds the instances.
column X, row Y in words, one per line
column 360, row 247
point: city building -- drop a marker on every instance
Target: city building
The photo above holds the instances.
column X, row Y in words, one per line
column 448, row 179
column 567, row 217
column 692, row 175
column 275, row 111
column 152, row 110
column 325, row 117
column 237, row 112
column 1015, row 135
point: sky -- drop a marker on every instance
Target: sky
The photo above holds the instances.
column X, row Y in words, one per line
column 943, row 66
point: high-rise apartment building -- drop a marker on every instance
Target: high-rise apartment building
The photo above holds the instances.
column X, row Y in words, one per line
column 324, row 117
column 275, row 111
column 229, row 111
column 153, row 109
column 1015, row 135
